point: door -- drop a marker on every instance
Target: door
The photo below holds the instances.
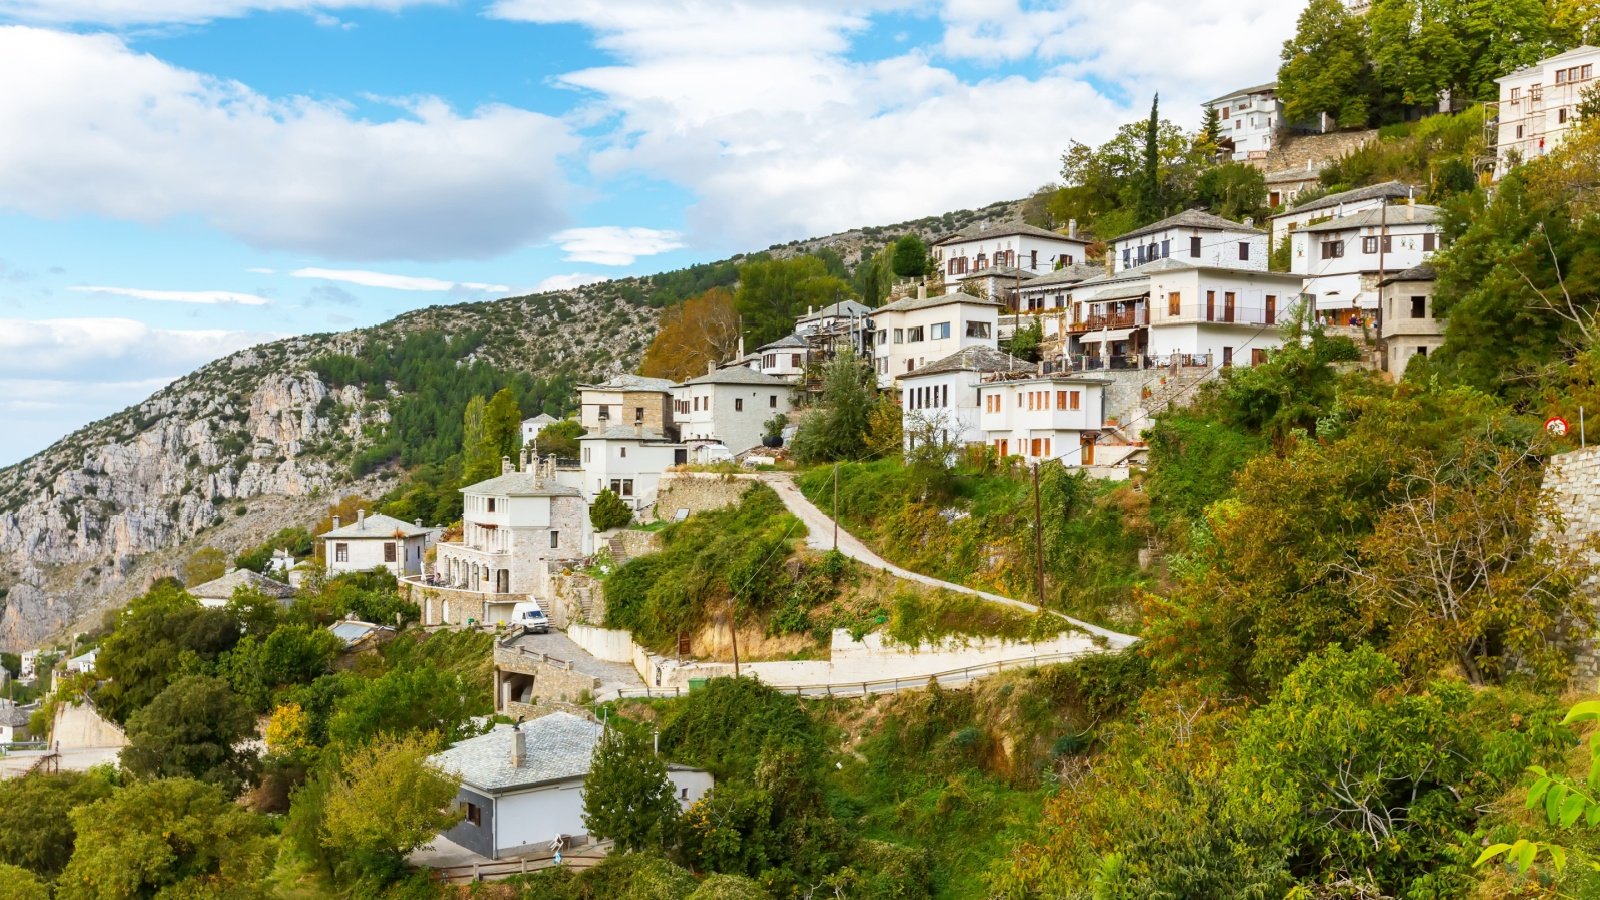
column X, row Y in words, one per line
column 1257, row 357
column 1272, row 309
column 1087, row 454
column 502, row 581
column 1211, row 306
column 1227, row 306
column 1227, row 357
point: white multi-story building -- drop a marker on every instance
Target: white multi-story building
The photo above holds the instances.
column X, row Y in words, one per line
column 1333, row 206
column 626, row 400
column 914, row 331
column 1045, row 299
column 1018, row 246
column 1410, row 329
column 629, row 462
column 939, row 402
column 1048, row 417
column 1193, row 236
column 786, row 357
column 728, row 406
column 1343, row 259
column 1538, row 104
column 1217, row 316
column 375, row 542
column 1248, row 120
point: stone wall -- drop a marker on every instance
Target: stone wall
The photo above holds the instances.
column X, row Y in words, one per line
column 638, row 543
column 527, row 677
column 697, row 492
column 1572, row 480
column 1294, row 151
column 575, row 599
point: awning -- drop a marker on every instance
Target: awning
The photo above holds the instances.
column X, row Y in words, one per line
column 1126, row 292
column 1095, row 337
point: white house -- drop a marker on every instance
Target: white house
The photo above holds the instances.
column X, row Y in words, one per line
column 1247, row 120
column 1045, row 298
column 532, row 427
column 939, row 401
column 785, row 357
column 1194, row 236
column 375, row 541
column 1015, row 245
column 914, row 331
column 14, row 722
column 1107, row 321
column 512, row 526
column 1046, row 417
column 522, row 785
column 1333, row 206
column 729, row 406
column 1342, row 259
column 1409, row 327
column 83, row 662
column 1539, row 104
column 1216, row 315
column 629, row 462
column 217, row 592
column 626, row 400
column 836, row 326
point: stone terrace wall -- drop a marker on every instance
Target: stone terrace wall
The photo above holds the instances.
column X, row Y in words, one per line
column 545, row 678
column 697, row 492
column 1573, row 481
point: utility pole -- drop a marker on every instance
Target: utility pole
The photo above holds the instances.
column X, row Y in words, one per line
column 733, row 631
column 1038, row 536
column 836, row 505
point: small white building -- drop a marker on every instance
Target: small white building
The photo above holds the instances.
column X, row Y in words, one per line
column 83, row 662
column 729, row 406
column 914, row 331
column 1540, row 103
column 374, row 542
column 1015, row 245
column 218, row 592
column 14, row 722
column 786, row 358
column 1342, row 259
column 1408, row 325
column 1193, row 236
column 1333, row 206
column 1248, row 119
column 939, row 401
column 522, row 785
column 626, row 400
column 846, row 324
column 629, row 462
column 1048, row 417
column 532, row 427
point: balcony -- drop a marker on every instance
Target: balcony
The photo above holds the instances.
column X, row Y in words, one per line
column 1111, row 320
column 1222, row 312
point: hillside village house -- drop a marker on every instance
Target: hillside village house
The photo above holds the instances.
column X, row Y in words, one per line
column 628, row 460
column 626, row 400
column 14, row 722
column 728, row 406
column 216, row 593
column 1218, row 316
column 1343, row 259
column 939, row 401
column 512, row 526
column 1409, row 327
column 1049, row 417
column 531, row 428
column 1539, row 104
column 1344, row 203
column 1247, row 120
column 1015, row 245
column 1284, row 185
column 373, row 542
column 785, row 357
column 1194, row 236
column 522, row 785
column 913, row 331
column 1045, row 298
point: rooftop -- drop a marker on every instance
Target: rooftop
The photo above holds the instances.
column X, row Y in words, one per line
column 624, row 432
column 1189, row 218
column 1403, row 214
column 907, row 304
column 223, row 588
column 377, row 525
column 15, row 716
column 1011, row 272
column 1394, row 190
column 788, row 340
column 1066, row 275
column 974, row 359
column 521, row 484
column 1574, row 53
column 738, row 375
column 1423, row 272
column 558, row 746
column 540, row 419
column 353, row 632
column 980, row 233
column 1258, row 89
column 842, row 309
column 1298, row 173
column 629, row 383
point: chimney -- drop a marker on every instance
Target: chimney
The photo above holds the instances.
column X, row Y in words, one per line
column 519, row 746
column 1072, row 228
column 336, row 522
column 505, row 465
column 1249, row 221
column 741, row 346
column 418, row 523
column 361, row 519
column 922, row 291
column 1411, row 212
column 711, row 367
column 1309, row 166
column 638, row 429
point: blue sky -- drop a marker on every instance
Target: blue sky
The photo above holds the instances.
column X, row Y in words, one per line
column 183, row 178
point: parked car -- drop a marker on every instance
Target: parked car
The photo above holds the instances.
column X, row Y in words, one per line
column 531, row 617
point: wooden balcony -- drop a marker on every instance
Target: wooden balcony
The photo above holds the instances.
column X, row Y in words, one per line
column 1132, row 318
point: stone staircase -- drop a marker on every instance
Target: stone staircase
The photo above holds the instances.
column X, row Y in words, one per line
column 619, row 554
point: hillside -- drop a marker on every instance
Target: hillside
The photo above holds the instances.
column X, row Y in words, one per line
column 262, row 439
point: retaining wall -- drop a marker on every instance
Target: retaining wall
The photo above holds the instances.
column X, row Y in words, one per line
column 697, row 492
column 1572, row 480
column 78, row 726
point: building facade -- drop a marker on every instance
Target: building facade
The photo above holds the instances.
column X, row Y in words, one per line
column 1215, row 316
column 939, row 402
column 1539, row 104
column 376, row 542
column 1193, row 236
column 1049, row 417
column 629, row 462
column 626, row 400
column 1016, row 245
column 914, row 331
column 1248, row 120
column 1343, row 259
column 729, row 406
column 1333, row 206
column 1410, row 330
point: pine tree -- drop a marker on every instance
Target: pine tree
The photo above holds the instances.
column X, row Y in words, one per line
column 608, row 512
column 1211, row 127
column 627, row 796
column 1150, row 202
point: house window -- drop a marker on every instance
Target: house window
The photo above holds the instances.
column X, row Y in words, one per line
column 1516, row 95
column 1194, row 247
column 978, row 329
column 794, row 360
column 1174, row 303
column 1061, row 399
column 638, row 414
column 1038, row 445
column 1561, row 115
column 1046, row 446
column 341, row 552
column 1244, row 250
column 772, row 401
column 605, row 411
column 1369, row 244
column 1033, row 259
column 914, row 335
column 622, row 452
column 555, row 536
column 1430, row 242
column 388, row 551
column 941, row 330
column 899, row 336
column 1126, row 257
column 1074, row 399
column 1166, row 247
column 475, row 814
column 1419, row 307
column 1333, row 249
column 1536, row 93
column 883, row 337
column 491, row 504
column 738, row 404
column 586, row 456
column 1519, row 132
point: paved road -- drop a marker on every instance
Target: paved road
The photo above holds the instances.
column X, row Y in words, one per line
column 77, row 760
column 821, row 537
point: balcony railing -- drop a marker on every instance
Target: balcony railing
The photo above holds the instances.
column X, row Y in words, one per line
column 1088, row 363
column 1221, row 311
column 1132, row 318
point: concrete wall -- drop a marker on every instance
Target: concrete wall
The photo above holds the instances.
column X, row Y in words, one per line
column 537, row 816
column 606, row 644
column 477, row 838
column 78, row 726
column 697, row 492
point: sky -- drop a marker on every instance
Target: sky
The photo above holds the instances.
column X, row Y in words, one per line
column 180, row 179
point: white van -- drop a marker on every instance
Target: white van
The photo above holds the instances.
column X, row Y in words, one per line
column 531, row 617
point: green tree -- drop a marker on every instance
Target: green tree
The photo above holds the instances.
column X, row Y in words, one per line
column 502, row 425
column 1210, row 128
column 422, row 699
column 874, row 277
column 20, row 884
column 289, row 655
column 1027, row 340
column 837, row 428
column 1325, row 67
column 203, row 565
column 383, row 802
column 608, row 512
column 1152, row 205
column 628, row 797
column 773, row 292
column 1105, row 185
column 157, row 635
column 479, row 461
column 910, row 256
column 35, row 818
column 171, row 837
column 193, row 729
column 1233, row 191
column 561, row 439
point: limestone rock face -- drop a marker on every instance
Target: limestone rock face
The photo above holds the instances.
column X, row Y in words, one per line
column 89, row 521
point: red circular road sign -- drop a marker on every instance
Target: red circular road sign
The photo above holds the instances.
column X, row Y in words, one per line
column 1557, row 426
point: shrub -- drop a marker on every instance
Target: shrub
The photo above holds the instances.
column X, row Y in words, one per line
column 608, row 512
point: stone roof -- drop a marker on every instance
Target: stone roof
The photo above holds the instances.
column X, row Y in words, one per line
column 738, row 375
column 843, row 309
column 1423, row 272
column 979, row 233
column 1394, row 190
column 975, row 359
column 1418, row 214
column 377, row 525
column 1189, row 218
column 624, row 432
column 558, row 747
column 1006, row 272
column 16, row 716
column 1066, row 275
column 630, row 383
column 521, row 484
column 1299, row 173
column 1258, row 89
column 223, row 588
column 541, row 419
column 907, row 304
column 788, row 340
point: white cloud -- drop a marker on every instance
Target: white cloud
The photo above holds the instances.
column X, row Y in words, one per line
column 121, row 134
column 396, row 282
column 149, row 12
column 612, row 245
column 204, row 297
column 568, row 282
